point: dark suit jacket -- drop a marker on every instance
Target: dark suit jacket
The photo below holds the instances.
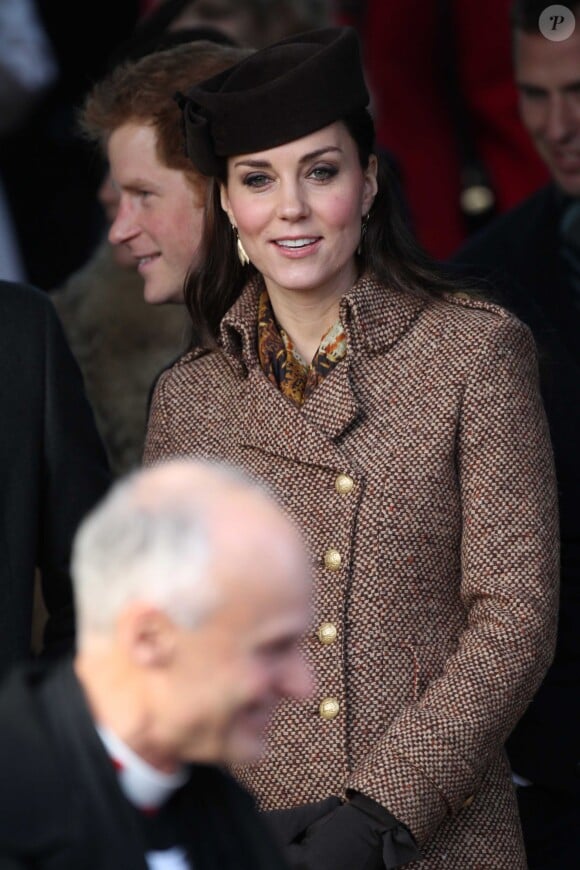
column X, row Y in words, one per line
column 61, row 807
column 520, row 258
column 52, row 468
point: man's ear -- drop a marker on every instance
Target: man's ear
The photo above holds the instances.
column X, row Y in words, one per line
column 225, row 201
column 147, row 635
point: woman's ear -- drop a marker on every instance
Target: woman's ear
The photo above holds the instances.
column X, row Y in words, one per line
column 225, row 202
column 371, row 186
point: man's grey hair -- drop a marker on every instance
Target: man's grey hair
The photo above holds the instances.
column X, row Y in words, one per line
column 138, row 545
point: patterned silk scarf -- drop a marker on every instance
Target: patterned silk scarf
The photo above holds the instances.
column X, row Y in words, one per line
column 283, row 365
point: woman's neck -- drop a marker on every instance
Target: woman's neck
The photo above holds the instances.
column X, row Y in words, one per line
column 306, row 317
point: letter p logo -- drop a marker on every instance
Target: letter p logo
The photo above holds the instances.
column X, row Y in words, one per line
column 557, row 23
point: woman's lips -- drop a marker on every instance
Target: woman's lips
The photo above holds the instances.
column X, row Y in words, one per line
column 298, row 247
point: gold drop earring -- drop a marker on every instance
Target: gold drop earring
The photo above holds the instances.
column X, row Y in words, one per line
column 242, row 255
column 363, row 232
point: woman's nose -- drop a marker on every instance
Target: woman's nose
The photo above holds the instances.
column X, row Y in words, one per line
column 292, row 203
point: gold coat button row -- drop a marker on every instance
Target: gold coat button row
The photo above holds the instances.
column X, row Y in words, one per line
column 327, row 632
column 329, row 708
column 332, row 559
column 343, row 484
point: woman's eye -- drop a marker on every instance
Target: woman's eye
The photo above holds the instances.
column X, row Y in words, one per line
column 323, row 173
column 256, row 179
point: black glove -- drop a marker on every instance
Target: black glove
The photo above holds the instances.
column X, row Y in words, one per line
column 289, row 826
column 358, row 835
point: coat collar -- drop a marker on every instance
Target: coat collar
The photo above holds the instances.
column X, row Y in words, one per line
column 374, row 318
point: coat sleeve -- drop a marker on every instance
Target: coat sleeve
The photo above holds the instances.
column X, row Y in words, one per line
column 161, row 442
column 435, row 754
column 158, row 444
column 75, row 475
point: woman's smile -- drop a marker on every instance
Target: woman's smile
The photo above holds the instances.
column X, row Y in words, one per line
column 298, row 248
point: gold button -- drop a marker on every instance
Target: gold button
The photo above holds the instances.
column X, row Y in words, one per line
column 344, row 484
column 329, row 708
column 332, row 559
column 464, row 297
column 468, row 801
column 327, row 633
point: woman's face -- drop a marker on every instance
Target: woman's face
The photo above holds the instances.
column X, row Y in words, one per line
column 298, row 210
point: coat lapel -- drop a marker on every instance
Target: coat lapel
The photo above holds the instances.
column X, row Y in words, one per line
column 311, row 434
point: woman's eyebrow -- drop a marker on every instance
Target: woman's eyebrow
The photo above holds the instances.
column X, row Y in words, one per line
column 265, row 164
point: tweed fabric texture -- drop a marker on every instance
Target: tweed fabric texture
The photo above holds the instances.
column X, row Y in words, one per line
column 445, row 598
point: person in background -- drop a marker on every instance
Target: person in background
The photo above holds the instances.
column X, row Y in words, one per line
column 253, row 23
column 398, row 421
column 530, row 259
column 192, row 591
column 120, row 343
column 445, row 107
column 132, row 115
column 53, row 470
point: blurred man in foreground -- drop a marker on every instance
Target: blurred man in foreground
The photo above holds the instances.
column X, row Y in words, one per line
column 192, row 593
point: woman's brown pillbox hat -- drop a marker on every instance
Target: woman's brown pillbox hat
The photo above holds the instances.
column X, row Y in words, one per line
column 280, row 93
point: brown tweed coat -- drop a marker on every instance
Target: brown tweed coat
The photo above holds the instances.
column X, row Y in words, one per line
column 421, row 473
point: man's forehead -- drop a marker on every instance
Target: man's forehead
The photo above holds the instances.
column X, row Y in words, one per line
column 539, row 61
